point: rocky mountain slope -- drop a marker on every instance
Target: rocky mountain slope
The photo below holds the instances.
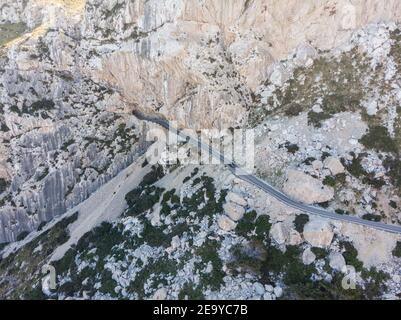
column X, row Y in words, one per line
column 318, row 81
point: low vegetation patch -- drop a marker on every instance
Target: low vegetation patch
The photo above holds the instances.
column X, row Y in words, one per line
column 11, row 31
column 333, row 83
column 379, row 140
column 397, row 250
column 300, row 221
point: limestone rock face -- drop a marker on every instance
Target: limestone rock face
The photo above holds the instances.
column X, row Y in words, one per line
column 318, row 232
column 230, row 44
column 307, row 189
column 194, row 62
column 334, row 165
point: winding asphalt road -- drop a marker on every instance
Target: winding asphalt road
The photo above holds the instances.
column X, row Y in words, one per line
column 240, row 173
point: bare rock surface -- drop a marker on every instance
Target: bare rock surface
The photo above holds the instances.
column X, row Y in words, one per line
column 318, row 232
column 307, row 189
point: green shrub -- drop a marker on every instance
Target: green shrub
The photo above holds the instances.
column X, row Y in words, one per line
column 103, row 237
column 351, row 255
column 140, row 200
column 10, row 31
column 35, row 294
column 316, row 119
column 372, row 217
column 154, row 236
column 22, row 235
column 397, row 250
column 191, row 292
column 263, row 227
column 66, row 144
column 108, row 284
column 378, row 139
column 158, row 269
column 329, row 181
column 292, row 110
column 41, row 226
column 355, row 168
column 153, row 176
column 291, row 148
column 4, row 127
column 375, row 282
column 209, row 253
column 42, row 105
column 3, row 185
column 300, row 221
column 246, row 224
column 393, row 167
column 320, row 253
column 308, row 161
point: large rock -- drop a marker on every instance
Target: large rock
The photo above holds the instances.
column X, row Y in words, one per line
column 234, row 211
column 295, row 238
column 160, row 294
column 236, row 198
column 334, row 165
column 225, row 223
column 318, row 232
column 308, row 257
column 307, row 189
column 278, row 291
column 337, row 261
column 280, row 233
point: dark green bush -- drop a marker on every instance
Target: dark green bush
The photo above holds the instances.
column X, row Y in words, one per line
column 191, row 292
column 3, row 185
column 293, row 109
column 397, row 250
column 300, row 221
column 316, row 119
column 320, row 253
column 329, row 181
column 372, row 217
column 355, row 168
column 393, row 167
column 351, row 255
column 22, row 235
column 378, row 139
column 246, row 224
column 153, row 176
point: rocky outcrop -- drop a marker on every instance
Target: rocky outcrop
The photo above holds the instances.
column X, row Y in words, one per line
column 63, row 135
column 225, row 223
column 280, row 233
column 229, row 45
column 334, row 165
column 236, row 198
column 318, row 232
column 308, row 256
column 307, row 189
column 337, row 261
column 233, row 211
